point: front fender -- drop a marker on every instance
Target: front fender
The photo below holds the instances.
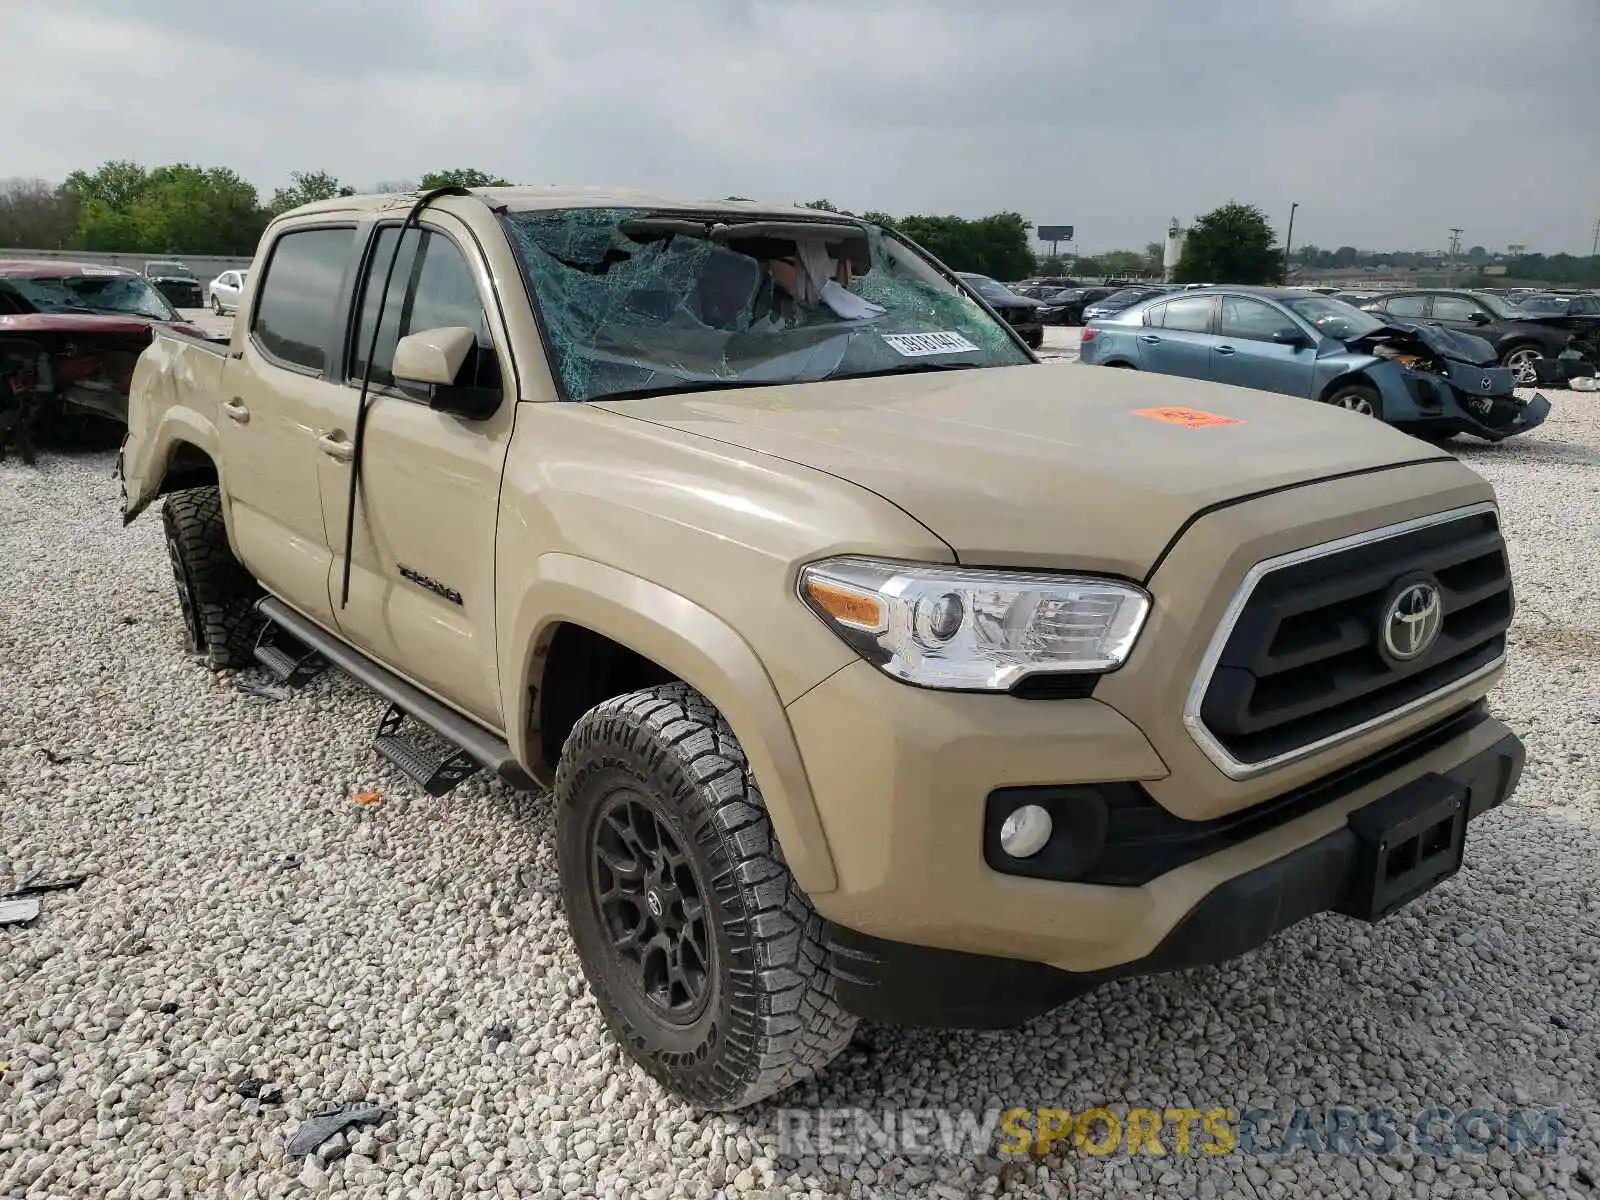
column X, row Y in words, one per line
column 696, row 646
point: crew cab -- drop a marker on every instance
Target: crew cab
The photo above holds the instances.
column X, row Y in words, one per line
column 877, row 670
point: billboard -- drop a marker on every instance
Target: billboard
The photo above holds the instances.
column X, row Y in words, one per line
column 1054, row 233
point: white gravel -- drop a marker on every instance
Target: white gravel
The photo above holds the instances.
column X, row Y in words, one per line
column 377, row 960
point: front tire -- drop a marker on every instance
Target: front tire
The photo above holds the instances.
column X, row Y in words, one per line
column 216, row 305
column 216, row 594
column 1357, row 398
column 706, row 959
column 1521, row 360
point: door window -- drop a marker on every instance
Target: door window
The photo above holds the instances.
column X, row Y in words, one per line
column 1189, row 315
column 1453, row 308
column 1251, row 320
column 296, row 301
column 432, row 287
column 1406, row 306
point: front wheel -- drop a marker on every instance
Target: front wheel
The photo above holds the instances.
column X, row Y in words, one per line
column 216, row 305
column 1358, row 398
column 706, row 959
column 1522, row 360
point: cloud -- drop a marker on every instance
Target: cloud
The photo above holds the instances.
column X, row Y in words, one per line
column 1387, row 122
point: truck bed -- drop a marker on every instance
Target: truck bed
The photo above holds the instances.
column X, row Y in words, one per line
column 175, row 396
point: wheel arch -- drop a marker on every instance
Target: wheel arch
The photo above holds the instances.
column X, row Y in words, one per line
column 573, row 605
column 1357, row 376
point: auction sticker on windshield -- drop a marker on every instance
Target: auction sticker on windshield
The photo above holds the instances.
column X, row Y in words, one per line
column 1190, row 418
column 915, row 345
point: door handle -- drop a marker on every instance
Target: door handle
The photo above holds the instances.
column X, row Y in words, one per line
column 1225, row 350
column 1149, row 339
column 337, row 447
column 237, row 411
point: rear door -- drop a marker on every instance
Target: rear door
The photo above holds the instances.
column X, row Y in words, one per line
column 1456, row 312
column 422, row 567
column 1247, row 355
column 1410, row 308
column 280, row 405
column 1177, row 337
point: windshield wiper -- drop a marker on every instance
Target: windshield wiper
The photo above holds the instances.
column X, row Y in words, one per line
column 912, row 369
column 696, row 385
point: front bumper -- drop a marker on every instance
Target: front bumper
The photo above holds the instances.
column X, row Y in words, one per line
column 1330, row 869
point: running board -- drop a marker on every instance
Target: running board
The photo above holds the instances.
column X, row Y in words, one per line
column 474, row 741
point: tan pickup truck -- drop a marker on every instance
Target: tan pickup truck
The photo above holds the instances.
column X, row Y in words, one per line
column 879, row 670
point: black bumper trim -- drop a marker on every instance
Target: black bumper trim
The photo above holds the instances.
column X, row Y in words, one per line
column 904, row 984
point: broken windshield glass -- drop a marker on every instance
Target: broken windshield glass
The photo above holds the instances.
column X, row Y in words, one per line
column 635, row 302
column 110, row 295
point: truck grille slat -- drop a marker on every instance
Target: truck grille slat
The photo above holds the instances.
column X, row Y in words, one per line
column 1303, row 663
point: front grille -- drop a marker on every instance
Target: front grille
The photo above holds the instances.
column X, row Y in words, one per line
column 1303, row 666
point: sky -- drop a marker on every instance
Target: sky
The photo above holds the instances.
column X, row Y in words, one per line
column 1388, row 121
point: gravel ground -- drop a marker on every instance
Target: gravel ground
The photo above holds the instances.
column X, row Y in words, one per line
column 245, row 921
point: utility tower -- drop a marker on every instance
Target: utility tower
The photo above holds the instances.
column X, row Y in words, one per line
column 1455, row 249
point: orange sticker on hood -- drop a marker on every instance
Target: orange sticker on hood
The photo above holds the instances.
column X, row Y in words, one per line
column 1193, row 418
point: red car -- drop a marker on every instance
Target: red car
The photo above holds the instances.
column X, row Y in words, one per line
column 70, row 334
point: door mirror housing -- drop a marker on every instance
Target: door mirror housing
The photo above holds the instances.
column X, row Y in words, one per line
column 1288, row 336
column 432, row 358
column 1479, row 317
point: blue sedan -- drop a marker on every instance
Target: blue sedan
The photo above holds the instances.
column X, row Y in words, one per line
column 1430, row 381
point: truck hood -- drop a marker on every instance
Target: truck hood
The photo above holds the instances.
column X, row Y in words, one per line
column 74, row 323
column 1055, row 465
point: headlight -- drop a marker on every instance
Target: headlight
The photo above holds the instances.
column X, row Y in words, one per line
column 973, row 629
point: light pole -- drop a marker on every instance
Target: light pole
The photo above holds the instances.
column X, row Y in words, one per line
column 1288, row 240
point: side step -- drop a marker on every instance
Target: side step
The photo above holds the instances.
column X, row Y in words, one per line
column 435, row 769
column 469, row 738
column 289, row 660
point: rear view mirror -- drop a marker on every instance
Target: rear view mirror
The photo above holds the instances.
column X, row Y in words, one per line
column 433, row 355
column 1290, row 337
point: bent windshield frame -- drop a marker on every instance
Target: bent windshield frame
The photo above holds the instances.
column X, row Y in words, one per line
column 633, row 302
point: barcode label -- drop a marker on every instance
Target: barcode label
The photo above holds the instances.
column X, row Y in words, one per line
column 915, row 345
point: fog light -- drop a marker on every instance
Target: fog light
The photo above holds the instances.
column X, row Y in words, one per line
column 1025, row 831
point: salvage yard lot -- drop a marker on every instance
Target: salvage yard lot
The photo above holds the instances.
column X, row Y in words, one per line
column 245, row 920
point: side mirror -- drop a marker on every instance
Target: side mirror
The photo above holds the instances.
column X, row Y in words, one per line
column 1479, row 318
column 1290, row 337
column 432, row 358
column 433, row 355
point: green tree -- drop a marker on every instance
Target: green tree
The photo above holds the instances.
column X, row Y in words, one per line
column 117, row 183
column 1124, row 262
column 176, row 209
column 468, row 177
column 821, row 205
column 881, row 218
column 305, row 187
column 998, row 245
column 1154, row 254
column 1231, row 244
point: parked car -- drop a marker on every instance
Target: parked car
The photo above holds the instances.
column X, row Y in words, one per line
column 225, row 291
column 1119, row 300
column 1020, row 312
column 1426, row 380
column 1519, row 339
column 1356, row 298
column 176, row 282
column 1554, row 304
column 1065, row 306
column 877, row 671
column 70, row 334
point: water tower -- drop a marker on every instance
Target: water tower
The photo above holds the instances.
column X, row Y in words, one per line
column 1172, row 251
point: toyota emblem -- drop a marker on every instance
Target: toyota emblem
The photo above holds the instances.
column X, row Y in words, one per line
column 1412, row 621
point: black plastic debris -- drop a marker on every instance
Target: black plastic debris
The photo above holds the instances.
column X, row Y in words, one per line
column 318, row 1128
column 262, row 688
column 54, row 759
column 497, row 1034
column 19, row 912
column 263, row 1090
column 169, row 1008
column 37, row 886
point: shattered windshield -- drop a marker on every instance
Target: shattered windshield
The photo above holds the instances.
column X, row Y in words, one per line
column 635, row 302
column 1334, row 318
column 112, row 295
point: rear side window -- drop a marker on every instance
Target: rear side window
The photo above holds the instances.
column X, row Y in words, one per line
column 1192, row 315
column 297, row 297
column 1454, row 308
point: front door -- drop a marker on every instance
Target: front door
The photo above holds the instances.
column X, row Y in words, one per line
column 279, row 397
column 1181, row 344
column 422, row 569
column 1246, row 353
